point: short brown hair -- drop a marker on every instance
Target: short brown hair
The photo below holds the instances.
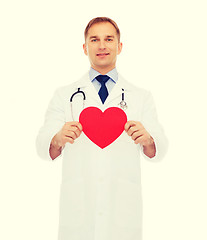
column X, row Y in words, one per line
column 99, row 20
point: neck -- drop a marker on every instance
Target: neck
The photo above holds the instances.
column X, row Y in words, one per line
column 103, row 71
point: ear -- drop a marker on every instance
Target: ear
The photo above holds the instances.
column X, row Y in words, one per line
column 85, row 49
column 120, row 45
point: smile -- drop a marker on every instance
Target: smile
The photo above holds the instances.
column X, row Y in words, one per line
column 102, row 54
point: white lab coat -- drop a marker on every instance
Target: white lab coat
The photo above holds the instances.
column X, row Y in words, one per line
column 101, row 188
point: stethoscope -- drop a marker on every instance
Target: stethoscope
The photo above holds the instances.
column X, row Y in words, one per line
column 122, row 104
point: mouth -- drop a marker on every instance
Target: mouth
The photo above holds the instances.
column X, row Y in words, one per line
column 102, row 54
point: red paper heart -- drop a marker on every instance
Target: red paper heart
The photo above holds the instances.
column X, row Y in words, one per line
column 103, row 128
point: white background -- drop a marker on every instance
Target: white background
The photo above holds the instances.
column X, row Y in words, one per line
column 164, row 51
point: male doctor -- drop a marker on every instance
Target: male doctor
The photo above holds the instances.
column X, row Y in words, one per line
column 101, row 187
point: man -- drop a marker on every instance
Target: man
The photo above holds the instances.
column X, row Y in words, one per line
column 101, row 187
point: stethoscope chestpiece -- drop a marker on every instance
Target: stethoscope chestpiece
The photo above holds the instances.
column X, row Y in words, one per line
column 123, row 104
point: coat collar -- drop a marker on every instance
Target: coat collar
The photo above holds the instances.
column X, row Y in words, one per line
column 86, row 85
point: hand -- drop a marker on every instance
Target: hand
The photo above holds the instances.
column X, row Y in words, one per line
column 138, row 133
column 69, row 132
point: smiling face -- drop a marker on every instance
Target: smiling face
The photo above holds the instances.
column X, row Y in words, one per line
column 102, row 47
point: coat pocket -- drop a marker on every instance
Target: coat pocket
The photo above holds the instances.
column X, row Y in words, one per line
column 72, row 203
column 128, row 204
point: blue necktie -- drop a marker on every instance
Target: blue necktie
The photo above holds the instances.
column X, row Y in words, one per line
column 103, row 92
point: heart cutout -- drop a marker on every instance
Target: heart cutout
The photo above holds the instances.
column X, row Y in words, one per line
column 103, row 128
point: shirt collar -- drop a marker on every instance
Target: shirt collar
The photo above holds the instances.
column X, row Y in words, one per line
column 113, row 74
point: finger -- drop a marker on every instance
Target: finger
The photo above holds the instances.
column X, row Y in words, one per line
column 77, row 132
column 144, row 139
column 137, row 134
column 143, row 133
column 72, row 123
column 68, row 139
column 71, row 134
column 70, row 128
column 139, row 140
column 134, row 129
column 78, row 125
column 128, row 125
column 74, row 129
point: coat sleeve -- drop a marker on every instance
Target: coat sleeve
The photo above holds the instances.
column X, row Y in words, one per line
column 54, row 121
column 152, row 125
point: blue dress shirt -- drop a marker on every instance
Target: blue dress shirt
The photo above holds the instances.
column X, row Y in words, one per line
column 113, row 74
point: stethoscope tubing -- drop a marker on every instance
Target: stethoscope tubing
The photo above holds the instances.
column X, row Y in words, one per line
column 122, row 104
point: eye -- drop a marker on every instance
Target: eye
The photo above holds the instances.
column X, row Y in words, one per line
column 93, row 40
column 109, row 39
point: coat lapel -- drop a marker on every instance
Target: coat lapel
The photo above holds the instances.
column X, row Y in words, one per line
column 87, row 86
column 116, row 92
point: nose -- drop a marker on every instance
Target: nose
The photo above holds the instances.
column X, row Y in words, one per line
column 102, row 44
